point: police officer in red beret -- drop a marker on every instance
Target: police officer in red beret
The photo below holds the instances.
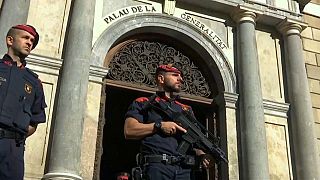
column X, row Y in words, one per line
column 22, row 100
column 159, row 136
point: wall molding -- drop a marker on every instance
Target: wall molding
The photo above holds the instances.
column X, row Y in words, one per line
column 52, row 66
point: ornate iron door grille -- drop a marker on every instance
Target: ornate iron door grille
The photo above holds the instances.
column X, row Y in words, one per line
column 137, row 61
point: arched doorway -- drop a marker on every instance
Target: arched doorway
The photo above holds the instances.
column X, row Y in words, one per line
column 132, row 64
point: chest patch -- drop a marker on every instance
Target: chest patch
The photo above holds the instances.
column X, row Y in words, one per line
column 28, row 88
column 2, row 80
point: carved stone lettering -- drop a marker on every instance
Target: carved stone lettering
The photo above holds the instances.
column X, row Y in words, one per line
column 204, row 29
column 127, row 11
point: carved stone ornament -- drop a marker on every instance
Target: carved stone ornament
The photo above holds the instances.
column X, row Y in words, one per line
column 137, row 61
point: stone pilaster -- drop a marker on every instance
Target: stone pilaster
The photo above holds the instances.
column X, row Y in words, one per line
column 12, row 13
column 228, row 128
column 254, row 159
column 301, row 121
column 65, row 155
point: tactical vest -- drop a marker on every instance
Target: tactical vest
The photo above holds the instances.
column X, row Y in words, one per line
column 17, row 94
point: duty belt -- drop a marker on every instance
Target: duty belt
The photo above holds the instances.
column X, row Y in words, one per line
column 4, row 133
column 167, row 159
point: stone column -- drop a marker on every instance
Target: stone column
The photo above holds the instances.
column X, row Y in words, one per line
column 64, row 162
column 254, row 160
column 12, row 12
column 301, row 121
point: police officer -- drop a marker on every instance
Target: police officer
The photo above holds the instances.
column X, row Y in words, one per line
column 22, row 101
column 160, row 136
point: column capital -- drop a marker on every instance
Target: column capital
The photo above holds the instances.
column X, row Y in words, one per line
column 243, row 13
column 290, row 26
column 227, row 99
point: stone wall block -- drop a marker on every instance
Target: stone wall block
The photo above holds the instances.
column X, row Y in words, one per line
column 314, row 86
column 312, row 21
column 307, row 33
column 310, row 57
column 318, row 59
column 313, row 72
column 316, row 113
column 269, row 64
column 316, row 34
column 315, row 99
column 318, row 142
column 317, row 130
column 311, row 45
column 51, row 25
column 316, row 1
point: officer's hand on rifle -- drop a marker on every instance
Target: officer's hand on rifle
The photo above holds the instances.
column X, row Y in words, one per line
column 170, row 128
column 206, row 160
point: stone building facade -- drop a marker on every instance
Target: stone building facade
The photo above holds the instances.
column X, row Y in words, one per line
column 252, row 71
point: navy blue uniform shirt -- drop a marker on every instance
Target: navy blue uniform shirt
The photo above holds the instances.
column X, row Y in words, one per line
column 22, row 100
column 157, row 143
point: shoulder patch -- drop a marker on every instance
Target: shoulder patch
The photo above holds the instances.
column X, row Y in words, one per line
column 142, row 99
column 183, row 106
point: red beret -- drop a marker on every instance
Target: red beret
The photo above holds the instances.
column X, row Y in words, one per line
column 167, row 68
column 30, row 29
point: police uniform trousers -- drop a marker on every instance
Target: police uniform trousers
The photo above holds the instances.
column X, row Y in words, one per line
column 11, row 160
column 161, row 171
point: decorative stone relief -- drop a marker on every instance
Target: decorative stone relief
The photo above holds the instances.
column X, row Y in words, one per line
column 137, row 61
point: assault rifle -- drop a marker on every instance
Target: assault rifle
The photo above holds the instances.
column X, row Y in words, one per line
column 194, row 134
